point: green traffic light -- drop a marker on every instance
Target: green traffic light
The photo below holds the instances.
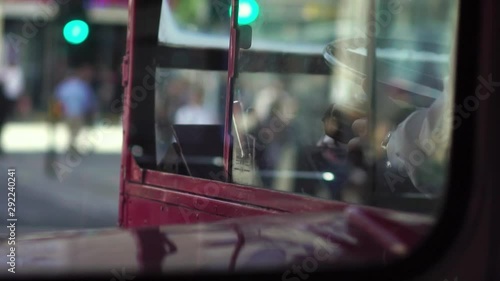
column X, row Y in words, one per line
column 248, row 11
column 76, row 31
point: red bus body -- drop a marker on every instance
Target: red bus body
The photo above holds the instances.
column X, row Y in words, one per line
column 146, row 195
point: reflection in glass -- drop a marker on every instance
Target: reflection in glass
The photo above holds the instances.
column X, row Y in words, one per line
column 372, row 129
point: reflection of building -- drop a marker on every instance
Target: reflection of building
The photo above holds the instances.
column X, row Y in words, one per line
column 27, row 31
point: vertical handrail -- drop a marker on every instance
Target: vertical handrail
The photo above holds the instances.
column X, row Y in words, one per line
column 371, row 65
column 231, row 77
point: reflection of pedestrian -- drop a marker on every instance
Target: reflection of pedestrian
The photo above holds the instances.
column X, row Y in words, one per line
column 331, row 125
column 268, row 96
column 77, row 98
column 194, row 112
column 11, row 88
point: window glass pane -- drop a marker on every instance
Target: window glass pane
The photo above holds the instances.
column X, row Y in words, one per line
column 189, row 114
column 191, row 88
column 195, row 23
column 373, row 127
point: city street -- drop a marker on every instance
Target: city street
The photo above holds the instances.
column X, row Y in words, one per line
column 85, row 197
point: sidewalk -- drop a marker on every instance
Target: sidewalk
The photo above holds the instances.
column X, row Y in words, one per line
column 35, row 137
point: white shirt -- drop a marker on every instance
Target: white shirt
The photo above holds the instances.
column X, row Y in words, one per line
column 195, row 115
column 422, row 137
column 12, row 78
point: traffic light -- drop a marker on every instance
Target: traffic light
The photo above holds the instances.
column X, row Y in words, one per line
column 249, row 11
column 73, row 20
column 76, row 31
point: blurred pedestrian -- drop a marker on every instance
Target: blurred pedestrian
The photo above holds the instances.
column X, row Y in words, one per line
column 194, row 112
column 11, row 88
column 77, row 99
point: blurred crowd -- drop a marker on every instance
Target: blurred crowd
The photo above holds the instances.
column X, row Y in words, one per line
column 83, row 94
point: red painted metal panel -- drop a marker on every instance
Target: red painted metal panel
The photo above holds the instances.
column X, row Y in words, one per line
column 146, row 212
column 136, row 172
column 126, row 158
column 264, row 198
column 210, row 197
column 194, row 202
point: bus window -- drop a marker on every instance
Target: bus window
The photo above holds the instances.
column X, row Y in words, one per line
column 373, row 128
column 190, row 88
column 189, row 115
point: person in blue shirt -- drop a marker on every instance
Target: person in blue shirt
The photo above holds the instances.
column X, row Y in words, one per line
column 77, row 98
